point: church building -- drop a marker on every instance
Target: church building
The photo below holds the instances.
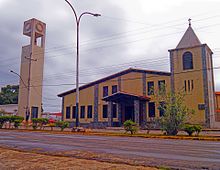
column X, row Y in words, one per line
column 130, row 94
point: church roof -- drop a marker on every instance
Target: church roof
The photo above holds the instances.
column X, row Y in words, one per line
column 189, row 39
column 114, row 76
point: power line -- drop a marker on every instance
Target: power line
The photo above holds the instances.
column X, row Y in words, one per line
column 134, row 78
column 103, row 69
column 153, row 30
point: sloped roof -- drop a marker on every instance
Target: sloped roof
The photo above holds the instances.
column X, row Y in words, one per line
column 114, row 76
column 189, row 39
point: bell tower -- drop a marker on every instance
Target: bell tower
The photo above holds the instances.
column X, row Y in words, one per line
column 192, row 72
column 31, row 70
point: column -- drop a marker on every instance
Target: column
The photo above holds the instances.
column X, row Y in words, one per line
column 144, row 113
column 119, row 83
column 119, row 111
column 137, row 111
column 96, row 102
column 110, row 114
column 144, row 84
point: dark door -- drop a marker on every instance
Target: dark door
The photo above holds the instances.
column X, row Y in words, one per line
column 34, row 112
column 151, row 109
column 129, row 113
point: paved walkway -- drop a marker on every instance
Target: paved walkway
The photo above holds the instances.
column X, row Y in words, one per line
column 149, row 152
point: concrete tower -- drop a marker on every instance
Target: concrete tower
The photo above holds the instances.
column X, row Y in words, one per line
column 192, row 72
column 31, row 70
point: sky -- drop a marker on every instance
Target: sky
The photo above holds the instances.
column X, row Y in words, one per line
column 128, row 34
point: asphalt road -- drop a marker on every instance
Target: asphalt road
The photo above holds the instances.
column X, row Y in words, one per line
column 180, row 154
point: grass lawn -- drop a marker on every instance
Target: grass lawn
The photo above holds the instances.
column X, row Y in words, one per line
column 16, row 160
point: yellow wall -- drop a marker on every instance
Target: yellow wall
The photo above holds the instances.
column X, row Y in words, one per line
column 108, row 83
column 132, row 83
column 218, row 101
column 154, row 98
column 195, row 96
column 86, row 98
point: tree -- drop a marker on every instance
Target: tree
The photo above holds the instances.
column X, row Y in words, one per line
column 9, row 94
column 175, row 112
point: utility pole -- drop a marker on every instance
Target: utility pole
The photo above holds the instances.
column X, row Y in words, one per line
column 28, row 86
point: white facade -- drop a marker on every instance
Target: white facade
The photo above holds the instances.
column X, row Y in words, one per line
column 10, row 108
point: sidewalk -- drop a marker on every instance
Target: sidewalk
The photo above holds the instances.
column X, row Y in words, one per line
column 205, row 132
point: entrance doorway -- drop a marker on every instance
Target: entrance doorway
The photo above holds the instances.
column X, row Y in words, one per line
column 129, row 113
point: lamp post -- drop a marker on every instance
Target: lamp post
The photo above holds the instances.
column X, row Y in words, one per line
column 28, row 88
column 77, row 55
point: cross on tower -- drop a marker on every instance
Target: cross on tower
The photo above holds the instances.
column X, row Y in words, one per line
column 189, row 21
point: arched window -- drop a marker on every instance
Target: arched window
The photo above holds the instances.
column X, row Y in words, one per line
column 187, row 61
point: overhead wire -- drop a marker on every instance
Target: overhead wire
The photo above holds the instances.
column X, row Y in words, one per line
column 135, row 41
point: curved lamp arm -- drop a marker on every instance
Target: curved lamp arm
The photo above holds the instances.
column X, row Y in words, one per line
column 72, row 9
column 88, row 13
column 19, row 77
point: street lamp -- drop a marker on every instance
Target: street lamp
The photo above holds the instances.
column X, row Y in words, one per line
column 28, row 88
column 77, row 55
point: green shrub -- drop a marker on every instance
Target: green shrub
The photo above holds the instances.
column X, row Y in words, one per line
column 1, row 125
column 198, row 129
column 35, row 123
column 42, row 121
column 17, row 121
column 34, row 126
column 189, row 129
column 3, row 119
column 130, row 126
column 62, row 125
column 11, row 119
column 39, row 122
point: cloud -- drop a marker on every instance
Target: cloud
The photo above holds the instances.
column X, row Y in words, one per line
column 125, row 32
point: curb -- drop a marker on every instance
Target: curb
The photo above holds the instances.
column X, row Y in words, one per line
column 180, row 137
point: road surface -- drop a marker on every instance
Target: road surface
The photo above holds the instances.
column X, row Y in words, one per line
column 182, row 154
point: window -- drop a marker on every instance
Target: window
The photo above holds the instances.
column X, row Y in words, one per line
column 161, row 108
column 161, row 85
column 114, row 109
column 105, row 111
column 188, row 85
column 74, row 112
column 151, row 109
column 105, row 91
column 89, row 111
column 82, row 112
column 67, row 112
column 114, row 89
column 187, row 61
column 150, row 88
